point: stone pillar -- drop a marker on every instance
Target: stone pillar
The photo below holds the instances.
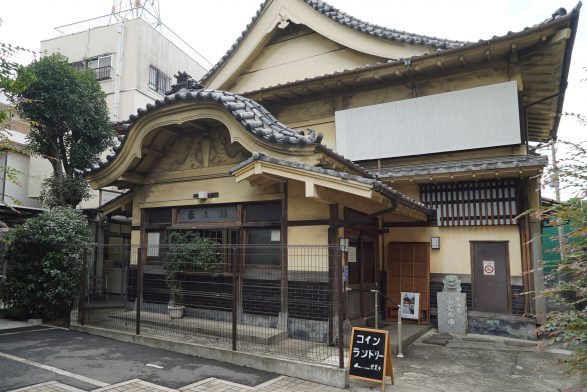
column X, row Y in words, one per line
column 452, row 307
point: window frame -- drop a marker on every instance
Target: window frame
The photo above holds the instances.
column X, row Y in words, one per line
column 158, row 81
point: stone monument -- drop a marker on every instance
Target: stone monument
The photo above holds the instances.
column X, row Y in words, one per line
column 452, row 307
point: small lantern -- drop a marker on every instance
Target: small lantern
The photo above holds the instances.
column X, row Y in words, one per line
column 435, row 242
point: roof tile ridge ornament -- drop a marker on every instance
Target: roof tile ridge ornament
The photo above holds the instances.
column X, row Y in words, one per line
column 184, row 81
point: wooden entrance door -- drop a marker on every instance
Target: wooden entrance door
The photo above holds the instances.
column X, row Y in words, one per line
column 491, row 277
column 408, row 270
column 363, row 276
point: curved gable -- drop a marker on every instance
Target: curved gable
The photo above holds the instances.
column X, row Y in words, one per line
column 368, row 42
column 248, row 124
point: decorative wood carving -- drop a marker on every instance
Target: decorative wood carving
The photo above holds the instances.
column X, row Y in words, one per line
column 193, row 151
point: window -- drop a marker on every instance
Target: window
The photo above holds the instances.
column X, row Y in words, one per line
column 159, row 216
column 263, row 212
column 477, row 203
column 158, row 81
column 101, row 66
column 257, row 252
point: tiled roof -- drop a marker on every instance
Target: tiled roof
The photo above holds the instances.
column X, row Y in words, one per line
column 379, row 31
column 477, row 164
column 253, row 117
column 377, row 185
column 561, row 12
column 347, row 20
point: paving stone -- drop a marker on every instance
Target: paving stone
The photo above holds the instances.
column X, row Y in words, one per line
column 519, row 343
column 436, row 341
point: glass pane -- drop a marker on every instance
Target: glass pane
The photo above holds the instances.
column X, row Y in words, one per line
column 159, row 215
column 104, row 61
column 263, row 212
column 93, row 64
column 207, row 214
column 265, row 255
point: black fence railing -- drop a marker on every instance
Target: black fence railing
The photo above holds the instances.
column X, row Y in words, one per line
column 285, row 300
column 102, row 73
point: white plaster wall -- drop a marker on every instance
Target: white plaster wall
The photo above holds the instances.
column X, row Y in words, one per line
column 454, row 255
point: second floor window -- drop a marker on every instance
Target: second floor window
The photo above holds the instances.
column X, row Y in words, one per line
column 158, row 80
column 101, row 66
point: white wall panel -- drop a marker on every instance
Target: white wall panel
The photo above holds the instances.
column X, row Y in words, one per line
column 460, row 120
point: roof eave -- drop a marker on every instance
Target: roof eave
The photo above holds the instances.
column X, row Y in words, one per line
column 574, row 15
column 446, row 52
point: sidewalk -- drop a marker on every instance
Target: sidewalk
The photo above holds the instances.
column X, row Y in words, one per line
column 462, row 364
column 9, row 324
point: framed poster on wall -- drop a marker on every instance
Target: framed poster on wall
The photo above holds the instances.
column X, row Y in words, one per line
column 410, row 305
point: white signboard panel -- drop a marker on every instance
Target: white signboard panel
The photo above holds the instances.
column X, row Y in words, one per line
column 479, row 117
column 352, row 254
column 488, row 267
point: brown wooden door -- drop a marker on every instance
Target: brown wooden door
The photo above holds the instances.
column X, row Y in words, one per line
column 408, row 269
column 491, row 277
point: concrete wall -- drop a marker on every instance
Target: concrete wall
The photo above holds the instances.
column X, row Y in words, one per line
column 142, row 46
column 18, row 192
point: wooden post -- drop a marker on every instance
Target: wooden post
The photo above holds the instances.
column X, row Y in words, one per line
column 331, row 260
column 234, row 259
column 338, row 296
column 141, row 260
column 284, row 314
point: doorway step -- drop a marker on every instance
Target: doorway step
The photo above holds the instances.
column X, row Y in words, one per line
column 506, row 325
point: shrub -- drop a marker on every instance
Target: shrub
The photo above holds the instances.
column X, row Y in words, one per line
column 188, row 252
column 44, row 263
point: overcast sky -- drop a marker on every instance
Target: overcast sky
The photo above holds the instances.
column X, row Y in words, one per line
column 212, row 26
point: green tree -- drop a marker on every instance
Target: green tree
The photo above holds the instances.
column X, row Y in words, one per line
column 44, row 263
column 69, row 125
column 568, row 324
column 10, row 84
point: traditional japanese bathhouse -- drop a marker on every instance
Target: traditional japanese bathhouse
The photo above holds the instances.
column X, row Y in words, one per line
column 220, row 163
column 436, row 136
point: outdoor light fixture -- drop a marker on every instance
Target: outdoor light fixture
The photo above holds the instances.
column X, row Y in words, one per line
column 435, row 242
column 203, row 195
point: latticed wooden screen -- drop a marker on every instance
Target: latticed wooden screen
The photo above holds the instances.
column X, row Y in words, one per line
column 473, row 203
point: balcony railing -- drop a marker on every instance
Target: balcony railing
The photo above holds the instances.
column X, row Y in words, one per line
column 134, row 13
column 102, row 73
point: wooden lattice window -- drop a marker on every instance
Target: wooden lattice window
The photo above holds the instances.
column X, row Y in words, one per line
column 475, row 203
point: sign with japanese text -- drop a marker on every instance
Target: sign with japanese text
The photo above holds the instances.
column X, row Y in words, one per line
column 370, row 355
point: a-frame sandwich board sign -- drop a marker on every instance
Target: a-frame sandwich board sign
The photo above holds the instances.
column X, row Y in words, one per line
column 370, row 355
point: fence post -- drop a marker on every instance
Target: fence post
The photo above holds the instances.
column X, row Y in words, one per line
column 140, row 263
column 83, row 288
column 234, row 259
column 338, row 295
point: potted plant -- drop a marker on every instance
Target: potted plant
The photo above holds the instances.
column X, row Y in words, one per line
column 188, row 251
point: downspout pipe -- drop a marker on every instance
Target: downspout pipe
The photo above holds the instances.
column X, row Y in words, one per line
column 118, row 70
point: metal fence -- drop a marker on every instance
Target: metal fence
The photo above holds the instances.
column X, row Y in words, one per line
column 283, row 300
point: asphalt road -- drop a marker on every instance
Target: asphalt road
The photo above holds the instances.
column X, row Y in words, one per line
column 33, row 355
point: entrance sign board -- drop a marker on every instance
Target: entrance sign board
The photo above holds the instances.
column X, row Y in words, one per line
column 370, row 355
column 410, row 305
